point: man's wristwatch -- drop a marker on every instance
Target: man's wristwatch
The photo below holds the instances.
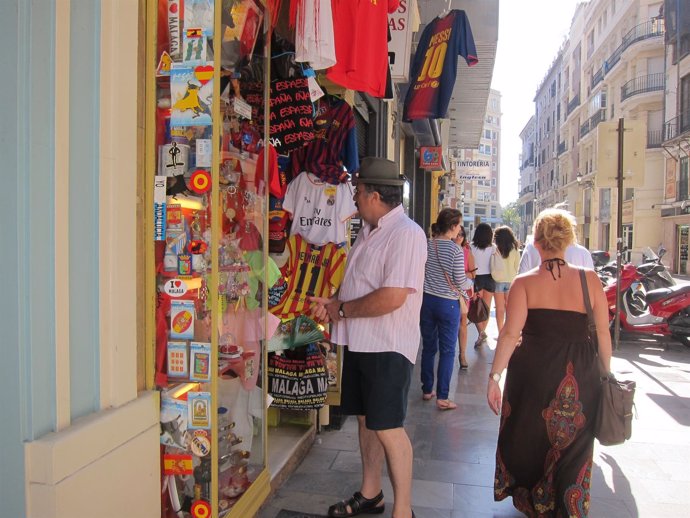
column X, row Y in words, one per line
column 341, row 311
column 496, row 376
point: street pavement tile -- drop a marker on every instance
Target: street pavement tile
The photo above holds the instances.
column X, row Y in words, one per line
column 318, row 460
column 605, row 508
column 470, row 501
column 454, row 472
column 327, row 483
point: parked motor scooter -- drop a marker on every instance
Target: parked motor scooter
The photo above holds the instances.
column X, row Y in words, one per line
column 655, row 273
column 663, row 311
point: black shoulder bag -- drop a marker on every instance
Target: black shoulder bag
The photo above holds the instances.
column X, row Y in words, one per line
column 613, row 423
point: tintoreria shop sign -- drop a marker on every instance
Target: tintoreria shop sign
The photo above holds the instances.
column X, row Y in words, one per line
column 466, row 170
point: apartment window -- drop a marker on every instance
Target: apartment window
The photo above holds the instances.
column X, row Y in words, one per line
column 613, row 7
column 495, row 150
column 487, row 134
column 493, row 166
column 683, row 179
column 605, row 17
column 493, row 182
column 493, row 212
column 685, row 103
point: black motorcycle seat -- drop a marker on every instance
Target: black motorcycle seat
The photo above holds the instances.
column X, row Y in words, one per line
column 663, row 293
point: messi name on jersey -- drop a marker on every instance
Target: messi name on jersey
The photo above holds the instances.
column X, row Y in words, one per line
column 434, row 68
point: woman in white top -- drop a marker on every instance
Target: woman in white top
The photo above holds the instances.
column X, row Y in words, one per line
column 482, row 250
column 504, row 267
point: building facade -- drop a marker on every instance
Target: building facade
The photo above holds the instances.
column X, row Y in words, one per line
column 473, row 184
column 611, row 67
column 527, row 179
column 675, row 209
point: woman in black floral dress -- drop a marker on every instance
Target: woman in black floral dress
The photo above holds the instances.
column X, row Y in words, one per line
column 552, row 389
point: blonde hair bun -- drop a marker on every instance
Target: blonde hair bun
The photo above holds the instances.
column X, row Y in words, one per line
column 554, row 230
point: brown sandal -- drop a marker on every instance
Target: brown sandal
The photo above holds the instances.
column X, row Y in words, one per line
column 358, row 505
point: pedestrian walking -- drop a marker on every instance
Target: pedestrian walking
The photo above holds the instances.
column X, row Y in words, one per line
column 470, row 270
column 445, row 283
column 552, row 389
column 504, row 268
column 375, row 316
column 484, row 286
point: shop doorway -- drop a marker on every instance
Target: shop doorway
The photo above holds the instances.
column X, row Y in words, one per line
column 627, row 242
column 683, row 233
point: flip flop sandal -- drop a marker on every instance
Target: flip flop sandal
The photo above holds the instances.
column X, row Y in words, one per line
column 358, row 505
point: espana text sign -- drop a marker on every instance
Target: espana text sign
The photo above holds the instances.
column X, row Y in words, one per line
column 291, row 123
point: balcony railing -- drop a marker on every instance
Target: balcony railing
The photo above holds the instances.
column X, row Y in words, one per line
column 562, row 147
column 597, row 78
column 584, row 128
column 528, row 189
column 573, row 103
column 643, row 31
column 677, row 126
column 592, row 122
column 654, row 138
column 643, row 84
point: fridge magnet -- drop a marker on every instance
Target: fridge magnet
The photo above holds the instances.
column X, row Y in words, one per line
column 200, row 182
column 191, row 100
column 173, row 159
column 184, row 264
column 204, row 152
column 182, row 319
column 199, row 407
column 199, row 13
column 175, row 288
column 204, row 73
column 163, row 68
column 200, row 445
column 200, row 361
column 194, row 46
column 174, row 219
column 174, row 28
column 177, row 464
column 173, row 422
column 201, row 509
column 177, row 360
column 159, row 208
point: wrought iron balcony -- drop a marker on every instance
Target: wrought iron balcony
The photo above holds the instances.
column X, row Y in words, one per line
column 573, row 103
column 584, row 128
column 643, row 84
column 654, row 138
column 592, row 122
column 643, row 31
column 597, row 78
column 677, row 126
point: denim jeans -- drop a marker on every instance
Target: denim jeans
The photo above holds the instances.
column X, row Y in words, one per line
column 439, row 322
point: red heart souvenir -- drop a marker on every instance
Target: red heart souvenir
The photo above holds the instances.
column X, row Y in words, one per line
column 204, row 73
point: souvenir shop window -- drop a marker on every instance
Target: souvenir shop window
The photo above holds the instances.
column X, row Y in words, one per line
column 206, row 172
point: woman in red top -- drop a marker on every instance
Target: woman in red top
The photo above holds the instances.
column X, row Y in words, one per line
column 470, row 269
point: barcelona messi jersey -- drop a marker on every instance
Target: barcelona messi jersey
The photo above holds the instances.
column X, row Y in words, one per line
column 433, row 70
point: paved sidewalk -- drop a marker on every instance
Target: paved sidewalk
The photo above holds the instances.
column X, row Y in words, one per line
column 648, row 476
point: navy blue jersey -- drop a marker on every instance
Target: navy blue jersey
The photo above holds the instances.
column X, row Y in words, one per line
column 433, row 70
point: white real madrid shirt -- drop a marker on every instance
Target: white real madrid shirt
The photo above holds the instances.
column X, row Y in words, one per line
column 319, row 210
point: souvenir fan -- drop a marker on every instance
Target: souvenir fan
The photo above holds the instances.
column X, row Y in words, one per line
column 294, row 333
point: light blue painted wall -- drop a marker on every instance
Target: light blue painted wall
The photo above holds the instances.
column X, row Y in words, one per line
column 83, row 197
column 27, row 374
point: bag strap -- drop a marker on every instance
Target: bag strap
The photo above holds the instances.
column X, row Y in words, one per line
column 588, row 306
column 591, row 325
column 452, row 286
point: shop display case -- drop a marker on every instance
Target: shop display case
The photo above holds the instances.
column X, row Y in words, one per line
column 206, row 275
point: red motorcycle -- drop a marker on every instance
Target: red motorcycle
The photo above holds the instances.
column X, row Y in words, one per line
column 662, row 311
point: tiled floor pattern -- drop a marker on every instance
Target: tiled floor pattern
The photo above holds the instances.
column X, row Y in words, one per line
column 648, row 476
